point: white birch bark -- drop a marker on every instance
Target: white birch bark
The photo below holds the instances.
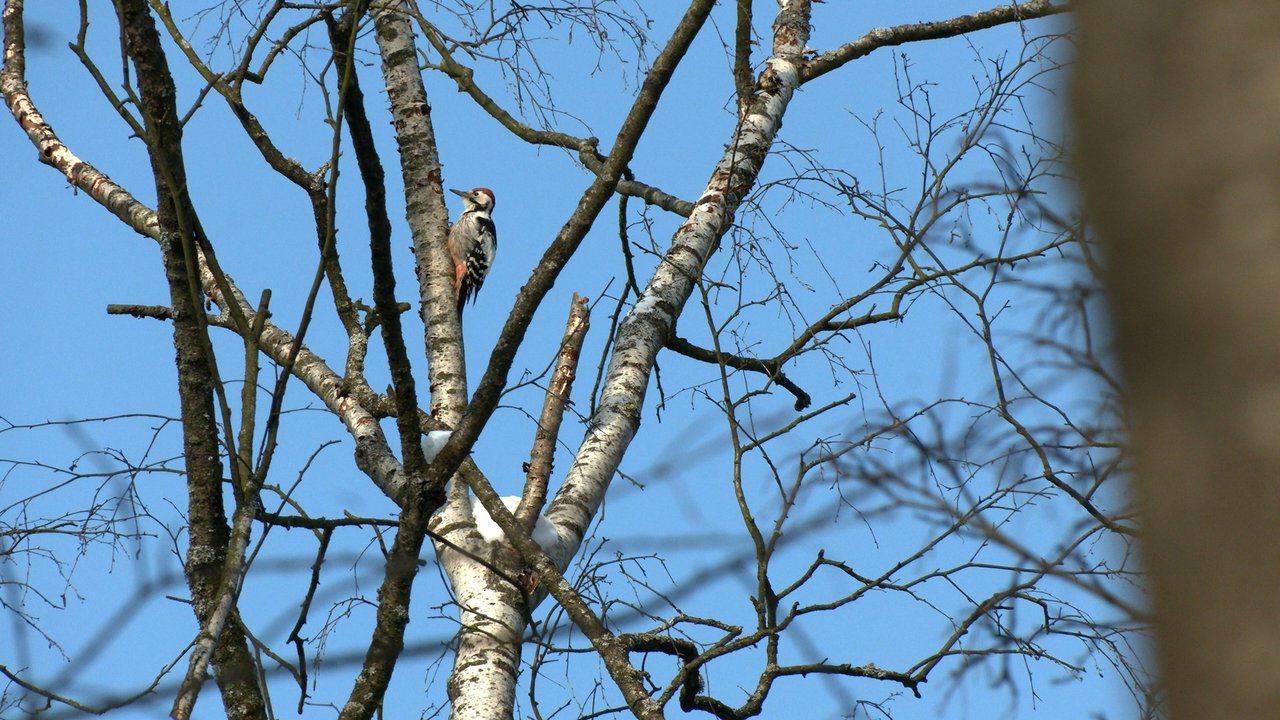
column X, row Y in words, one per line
column 644, row 331
column 492, row 617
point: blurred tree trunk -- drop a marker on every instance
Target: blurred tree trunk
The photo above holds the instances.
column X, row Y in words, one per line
column 1178, row 105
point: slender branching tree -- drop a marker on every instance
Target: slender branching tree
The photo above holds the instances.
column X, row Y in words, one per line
column 880, row 460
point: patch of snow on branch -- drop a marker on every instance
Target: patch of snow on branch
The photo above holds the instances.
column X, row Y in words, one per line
column 649, row 304
column 433, row 442
column 544, row 533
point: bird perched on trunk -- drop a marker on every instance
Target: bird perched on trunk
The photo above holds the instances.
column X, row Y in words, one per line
column 473, row 243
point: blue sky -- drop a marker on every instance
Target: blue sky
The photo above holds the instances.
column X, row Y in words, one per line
column 65, row 259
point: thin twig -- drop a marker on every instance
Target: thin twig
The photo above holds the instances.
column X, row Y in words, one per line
column 557, row 398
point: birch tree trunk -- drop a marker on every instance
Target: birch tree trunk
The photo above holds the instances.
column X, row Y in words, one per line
column 648, row 326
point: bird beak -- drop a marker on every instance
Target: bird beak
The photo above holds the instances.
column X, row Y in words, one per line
column 459, row 193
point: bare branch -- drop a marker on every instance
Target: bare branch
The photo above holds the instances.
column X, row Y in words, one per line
column 538, row 474
column 916, row 32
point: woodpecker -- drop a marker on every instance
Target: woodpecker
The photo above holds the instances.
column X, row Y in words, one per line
column 473, row 243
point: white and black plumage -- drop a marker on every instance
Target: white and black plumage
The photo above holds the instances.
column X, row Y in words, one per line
column 473, row 244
